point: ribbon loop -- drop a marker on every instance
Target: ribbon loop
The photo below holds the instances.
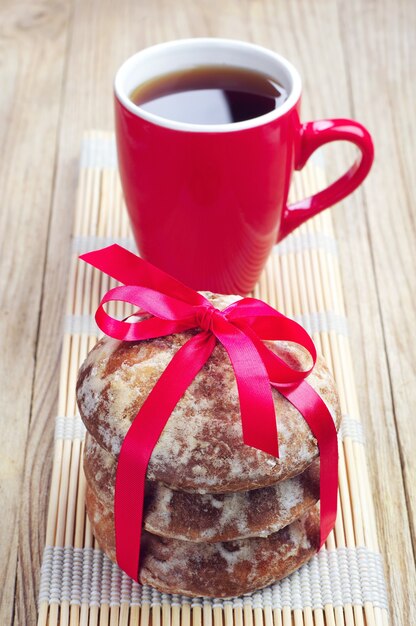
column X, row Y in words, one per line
column 242, row 329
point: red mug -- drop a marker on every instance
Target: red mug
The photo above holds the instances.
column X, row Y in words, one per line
column 208, row 202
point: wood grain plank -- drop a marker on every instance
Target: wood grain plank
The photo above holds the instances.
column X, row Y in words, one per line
column 32, row 56
column 380, row 47
column 330, row 90
column 362, row 287
column 104, row 33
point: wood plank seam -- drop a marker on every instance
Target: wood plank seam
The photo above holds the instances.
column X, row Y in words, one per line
column 20, row 567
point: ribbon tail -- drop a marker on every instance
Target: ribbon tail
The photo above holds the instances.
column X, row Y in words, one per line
column 258, row 417
column 314, row 410
column 317, row 415
column 279, row 372
column 140, row 441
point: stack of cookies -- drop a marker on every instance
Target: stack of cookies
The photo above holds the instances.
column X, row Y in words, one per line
column 220, row 518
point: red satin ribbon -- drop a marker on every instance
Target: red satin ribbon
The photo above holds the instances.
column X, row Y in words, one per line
column 241, row 328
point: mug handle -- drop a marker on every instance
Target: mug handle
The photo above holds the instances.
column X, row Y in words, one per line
column 313, row 135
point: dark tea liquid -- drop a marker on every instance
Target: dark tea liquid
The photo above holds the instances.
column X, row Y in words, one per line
column 210, row 95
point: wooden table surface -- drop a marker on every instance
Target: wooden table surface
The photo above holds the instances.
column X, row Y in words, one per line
column 57, row 61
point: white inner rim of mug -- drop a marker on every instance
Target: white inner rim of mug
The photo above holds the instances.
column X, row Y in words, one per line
column 190, row 53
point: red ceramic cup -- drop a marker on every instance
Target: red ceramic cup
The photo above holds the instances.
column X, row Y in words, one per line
column 208, row 202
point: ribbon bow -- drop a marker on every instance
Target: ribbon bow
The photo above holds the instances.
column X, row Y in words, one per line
column 241, row 328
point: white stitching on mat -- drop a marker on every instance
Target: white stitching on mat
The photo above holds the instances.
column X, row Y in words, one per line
column 68, row 427
column 237, row 603
column 305, row 585
column 56, row 575
column 352, row 428
column 96, row 577
column 337, row 577
column 338, row 566
column 323, row 322
column 330, row 578
column 126, row 591
column 85, row 243
column 381, row 583
column 106, row 581
column 317, row 322
column 372, row 573
column 146, row 594
column 72, row 428
column 296, row 601
column 313, row 566
column 257, row 600
column 67, row 570
column 293, row 244
column 325, row 580
column 300, row 242
column 248, row 601
column 285, row 592
column 46, row 574
column 99, row 152
column 366, row 568
column 356, row 576
column 76, row 586
column 276, row 596
column 185, row 600
column 86, row 575
column 267, row 597
column 164, row 599
column 136, row 594
column 82, row 323
column 156, row 597
column 175, row 599
column 115, row 591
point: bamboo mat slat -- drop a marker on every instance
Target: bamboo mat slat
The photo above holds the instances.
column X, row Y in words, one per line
column 343, row 585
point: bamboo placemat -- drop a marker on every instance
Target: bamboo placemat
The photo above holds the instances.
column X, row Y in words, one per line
column 344, row 583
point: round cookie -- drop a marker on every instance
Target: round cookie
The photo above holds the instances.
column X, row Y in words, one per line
column 224, row 569
column 201, row 447
column 208, row 517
